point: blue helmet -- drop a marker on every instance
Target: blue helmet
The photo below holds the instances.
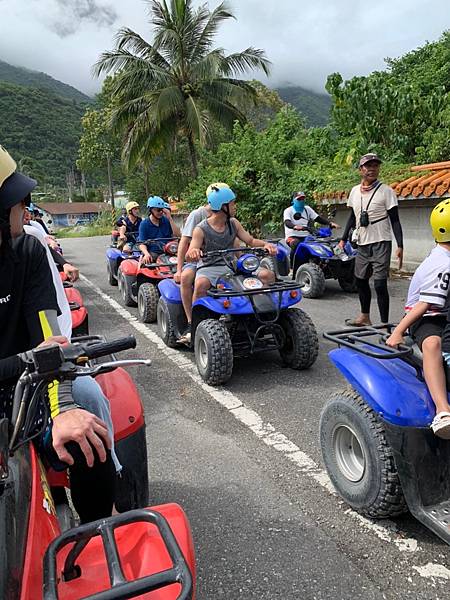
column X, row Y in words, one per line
column 156, row 202
column 220, row 196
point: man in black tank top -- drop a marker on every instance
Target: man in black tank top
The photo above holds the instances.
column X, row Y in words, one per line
column 218, row 232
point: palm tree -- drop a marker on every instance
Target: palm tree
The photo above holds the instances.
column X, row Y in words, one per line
column 179, row 85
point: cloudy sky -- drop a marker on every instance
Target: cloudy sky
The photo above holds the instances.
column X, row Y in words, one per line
column 305, row 39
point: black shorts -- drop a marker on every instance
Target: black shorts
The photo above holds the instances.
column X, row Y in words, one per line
column 373, row 259
column 426, row 327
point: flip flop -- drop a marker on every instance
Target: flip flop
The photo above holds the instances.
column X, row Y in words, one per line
column 441, row 425
column 355, row 323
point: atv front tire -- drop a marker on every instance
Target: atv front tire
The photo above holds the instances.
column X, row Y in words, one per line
column 301, row 346
column 111, row 279
column 213, row 352
column 166, row 327
column 148, row 296
column 124, row 288
column 358, row 458
column 311, row 279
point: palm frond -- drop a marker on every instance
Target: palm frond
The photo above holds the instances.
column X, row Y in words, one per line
column 195, row 120
column 202, row 42
column 241, row 62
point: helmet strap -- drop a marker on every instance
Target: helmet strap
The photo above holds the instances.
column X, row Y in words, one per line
column 226, row 210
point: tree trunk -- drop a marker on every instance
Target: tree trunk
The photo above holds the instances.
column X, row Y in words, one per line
column 110, row 181
column 193, row 154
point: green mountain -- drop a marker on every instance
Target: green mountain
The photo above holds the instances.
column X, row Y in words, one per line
column 314, row 107
column 40, row 123
column 21, row 76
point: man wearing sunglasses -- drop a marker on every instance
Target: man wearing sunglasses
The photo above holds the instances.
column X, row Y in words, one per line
column 158, row 226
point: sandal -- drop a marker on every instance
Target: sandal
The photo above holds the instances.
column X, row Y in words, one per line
column 441, row 425
column 356, row 323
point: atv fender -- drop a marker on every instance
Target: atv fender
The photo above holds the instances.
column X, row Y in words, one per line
column 390, row 387
column 170, row 291
column 113, row 254
column 129, row 267
column 126, row 407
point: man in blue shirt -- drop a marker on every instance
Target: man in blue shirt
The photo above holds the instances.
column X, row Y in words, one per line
column 158, row 226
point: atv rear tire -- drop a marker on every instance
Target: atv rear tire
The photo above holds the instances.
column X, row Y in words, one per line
column 166, row 328
column 148, row 296
column 302, row 344
column 124, row 289
column 358, row 458
column 348, row 285
column 213, row 352
column 311, row 279
column 111, row 279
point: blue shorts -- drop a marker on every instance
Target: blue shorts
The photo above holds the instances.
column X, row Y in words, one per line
column 187, row 266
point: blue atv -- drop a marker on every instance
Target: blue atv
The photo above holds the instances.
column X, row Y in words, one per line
column 114, row 257
column 240, row 317
column 377, row 445
column 317, row 258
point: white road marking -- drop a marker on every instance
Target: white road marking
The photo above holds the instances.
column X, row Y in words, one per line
column 433, row 571
column 387, row 532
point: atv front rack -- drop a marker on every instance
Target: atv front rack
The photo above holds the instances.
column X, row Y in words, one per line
column 121, row 588
column 279, row 286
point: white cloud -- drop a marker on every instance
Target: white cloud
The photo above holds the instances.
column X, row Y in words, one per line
column 305, row 39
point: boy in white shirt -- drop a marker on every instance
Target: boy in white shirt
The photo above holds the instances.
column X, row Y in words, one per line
column 426, row 315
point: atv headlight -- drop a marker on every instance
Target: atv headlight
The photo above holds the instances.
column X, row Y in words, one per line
column 172, row 247
column 318, row 249
column 249, row 263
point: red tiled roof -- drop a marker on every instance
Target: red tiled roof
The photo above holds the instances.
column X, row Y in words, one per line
column 434, row 183
column 72, row 208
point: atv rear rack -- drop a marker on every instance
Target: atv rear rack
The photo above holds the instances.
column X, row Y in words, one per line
column 359, row 339
column 121, row 587
column 276, row 287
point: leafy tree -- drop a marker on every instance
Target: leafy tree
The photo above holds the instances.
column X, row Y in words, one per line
column 99, row 145
column 178, row 86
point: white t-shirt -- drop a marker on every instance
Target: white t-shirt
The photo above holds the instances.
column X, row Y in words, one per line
column 195, row 218
column 430, row 282
column 307, row 214
column 379, row 228
column 65, row 318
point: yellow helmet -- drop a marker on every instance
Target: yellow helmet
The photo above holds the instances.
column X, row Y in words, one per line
column 130, row 205
column 219, row 186
column 440, row 221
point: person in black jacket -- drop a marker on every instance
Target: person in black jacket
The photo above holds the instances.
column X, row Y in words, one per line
column 28, row 318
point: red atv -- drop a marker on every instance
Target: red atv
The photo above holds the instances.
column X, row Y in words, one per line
column 138, row 283
column 80, row 320
column 146, row 552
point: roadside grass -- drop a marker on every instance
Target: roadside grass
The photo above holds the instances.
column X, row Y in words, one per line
column 100, row 226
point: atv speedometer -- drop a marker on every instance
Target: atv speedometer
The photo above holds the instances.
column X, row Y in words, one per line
column 249, row 263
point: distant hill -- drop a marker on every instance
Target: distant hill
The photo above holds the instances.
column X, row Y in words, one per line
column 41, row 130
column 315, row 107
column 26, row 77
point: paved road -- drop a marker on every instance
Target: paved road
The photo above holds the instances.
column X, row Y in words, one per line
column 246, row 466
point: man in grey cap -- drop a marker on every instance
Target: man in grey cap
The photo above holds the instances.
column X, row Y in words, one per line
column 373, row 218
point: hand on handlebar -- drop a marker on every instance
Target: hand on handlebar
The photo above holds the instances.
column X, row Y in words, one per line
column 194, row 254
column 84, row 428
column 335, row 225
column 271, row 249
column 54, row 339
column 342, row 244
